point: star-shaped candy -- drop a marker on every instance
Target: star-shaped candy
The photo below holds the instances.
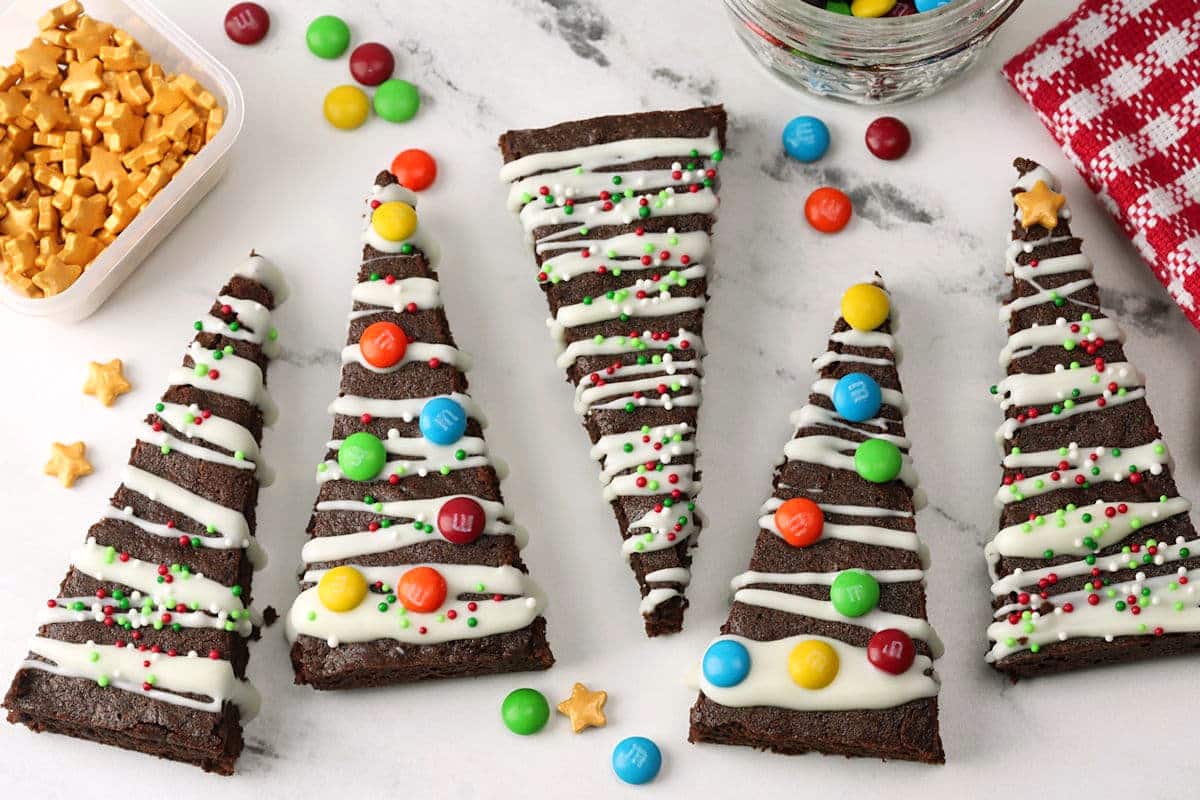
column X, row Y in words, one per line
column 121, row 126
column 88, row 37
column 103, row 167
column 1039, row 206
column 83, row 80
column 46, row 110
column 39, row 60
column 86, row 214
column 67, row 462
column 105, row 381
column 585, row 708
column 57, row 276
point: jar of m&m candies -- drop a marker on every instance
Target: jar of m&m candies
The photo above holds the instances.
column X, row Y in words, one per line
column 869, row 51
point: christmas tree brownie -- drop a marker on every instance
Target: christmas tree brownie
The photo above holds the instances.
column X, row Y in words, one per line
column 827, row 647
column 620, row 212
column 412, row 569
column 1094, row 556
column 144, row 647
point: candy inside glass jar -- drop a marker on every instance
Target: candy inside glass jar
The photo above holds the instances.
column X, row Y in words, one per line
column 868, row 51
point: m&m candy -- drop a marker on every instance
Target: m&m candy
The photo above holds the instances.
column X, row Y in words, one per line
column 857, row 397
column 394, row 220
column 371, row 64
column 854, row 593
column 891, row 650
column 346, row 107
column 525, row 711
column 327, row 36
column 361, row 456
column 247, row 23
column 877, row 461
column 888, row 138
column 871, row 8
column 813, row 664
column 422, row 590
column 865, row 306
column 443, row 420
column 397, row 100
column 799, row 521
column 341, row 589
column 636, row 760
column 827, row 209
column 415, row 169
column 930, row 5
column 461, row 520
column 806, row 139
column 726, row 663
column 383, row 344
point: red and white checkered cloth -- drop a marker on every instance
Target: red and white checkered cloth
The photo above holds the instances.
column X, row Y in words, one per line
column 1118, row 85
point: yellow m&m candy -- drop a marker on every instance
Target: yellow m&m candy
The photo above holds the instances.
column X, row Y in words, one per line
column 342, row 589
column 865, row 306
column 346, row 107
column 813, row 664
column 871, row 8
column 394, row 221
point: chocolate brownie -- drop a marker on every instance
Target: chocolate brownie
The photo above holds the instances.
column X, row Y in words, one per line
column 1094, row 553
column 144, row 647
column 827, row 647
column 412, row 569
column 620, row 212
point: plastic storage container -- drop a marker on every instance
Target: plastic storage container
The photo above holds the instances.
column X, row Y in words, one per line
column 177, row 52
column 868, row 61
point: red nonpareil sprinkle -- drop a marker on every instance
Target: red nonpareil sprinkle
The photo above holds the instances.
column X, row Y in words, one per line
column 543, row 190
column 685, row 259
column 452, row 614
column 366, row 419
column 1080, row 480
column 157, row 426
column 1055, row 475
column 1074, row 327
column 1023, row 598
column 472, row 606
column 672, row 478
column 1014, row 618
column 170, row 523
column 393, row 479
column 434, row 363
column 1135, row 478
column 124, row 556
column 51, row 603
column 206, row 413
column 184, row 541
column 214, row 654
column 372, row 526
column 1112, row 387
column 1068, row 608
column 1158, row 631
column 214, row 374
column 226, row 308
column 1110, row 512
column 1093, row 599
column 411, row 308
column 641, row 481
column 670, row 537
column 375, row 204
column 146, row 686
column 1122, row 508
column 422, row 630
column 497, row 598
column 543, row 276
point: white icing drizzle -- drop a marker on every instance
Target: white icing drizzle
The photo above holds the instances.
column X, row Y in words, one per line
column 1019, row 579
column 231, row 528
column 140, row 616
column 1065, row 533
column 822, row 578
column 624, row 252
column 406, row 409
column 420, row 240
column 418, row 455
column 863, row 534
column 414, row 352
column 260, row 270
column 891, row 397
column 239, row 377
column 1034, row 389
column 254, row 324
column 826, row 451
column 611, row 154
column 424, row 293
column 254, row 551
column 214, row 430
column 1028, row 341
column 684, row 341
column 1009, row 428
column 1152, row 456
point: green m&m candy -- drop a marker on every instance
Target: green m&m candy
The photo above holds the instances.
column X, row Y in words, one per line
column 877, row 461
column 397, row 100
column 854, row 593
column 361, row 456
column 327, row 36
column 525, row 711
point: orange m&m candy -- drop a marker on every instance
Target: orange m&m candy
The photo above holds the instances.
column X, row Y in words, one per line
column 799, row 521
column 421, row 589
column 827, row 209
column 383, row 344
column 415, row 169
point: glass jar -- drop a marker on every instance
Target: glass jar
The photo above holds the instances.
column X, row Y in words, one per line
column 868, row 61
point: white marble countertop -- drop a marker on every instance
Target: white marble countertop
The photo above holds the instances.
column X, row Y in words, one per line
column 933, row 223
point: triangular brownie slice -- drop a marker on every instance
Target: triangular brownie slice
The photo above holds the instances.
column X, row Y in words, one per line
column 1095, row 550
column 620, row 212
column 827, row 647
column 412, row 569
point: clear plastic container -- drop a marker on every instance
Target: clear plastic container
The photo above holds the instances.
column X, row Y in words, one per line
column 176, row 52
column 868, row 61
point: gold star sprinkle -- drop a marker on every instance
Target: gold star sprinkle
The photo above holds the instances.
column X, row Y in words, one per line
column 105, row 381
column 1039, row 206
column 67, row 462
column 585, row 708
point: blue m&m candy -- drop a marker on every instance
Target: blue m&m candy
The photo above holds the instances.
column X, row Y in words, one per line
column 806, row 139
column 443, row 421
column 636, row 760
column 726, row 663
column 857, row 397
column 930, row 5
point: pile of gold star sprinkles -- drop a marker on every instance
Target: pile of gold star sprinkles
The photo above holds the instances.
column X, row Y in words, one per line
column 90, row 130
column 105, row 382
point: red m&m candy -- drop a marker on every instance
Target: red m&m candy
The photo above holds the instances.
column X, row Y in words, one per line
column 799, row 521
column 247, row 23
column 888, row 138
column 891, row 650
column 383, row 344
column 461, row 520
column 827, row 209
column 371, row 64
column 415, row 169
column 421, row 589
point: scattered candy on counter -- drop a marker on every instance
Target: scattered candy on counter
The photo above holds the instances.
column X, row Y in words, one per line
column 247, row 23
column 726, row 663
column 806, row 139
column 346, row 107
column 525, row 711
column 827, row 209
column 800, row 521
column 371, row 64
column 877, row 461
column 327, row 36
column 67, row 462
column 813, row 664
column 415, row 169
column 854, row 592
column 397, row 100
column 106, row 382
column 636, row 760
column 888, row 138
column 584, row 708
column 857, row 397
column 95, row 130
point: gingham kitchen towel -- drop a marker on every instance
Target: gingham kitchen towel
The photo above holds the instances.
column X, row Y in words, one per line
column 1118, row 85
